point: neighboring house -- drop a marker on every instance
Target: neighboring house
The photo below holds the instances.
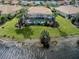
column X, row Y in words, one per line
column 7, row 1
column 9, row 9
column 60, row 2
column 14, row 2
column 10, row 1
column 67, row 11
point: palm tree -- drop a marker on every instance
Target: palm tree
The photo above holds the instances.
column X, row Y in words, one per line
column 55, row 12
column 22, row 12
column 45, row 39
column 22, row 17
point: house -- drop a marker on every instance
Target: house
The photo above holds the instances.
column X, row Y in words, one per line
column 39, row 15
column 7, row 1
column 68, row 11
column 63, row 2
column 14, row 2
column 9, row 9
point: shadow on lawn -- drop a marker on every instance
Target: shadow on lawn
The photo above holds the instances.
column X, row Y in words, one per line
column 27, row 32
column 62, row 33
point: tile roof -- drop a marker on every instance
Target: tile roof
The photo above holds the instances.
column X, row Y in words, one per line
column 39, row 10
column 6, row 9
column 68, row 9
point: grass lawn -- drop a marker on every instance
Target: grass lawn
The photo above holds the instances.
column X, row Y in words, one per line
column 65, row 28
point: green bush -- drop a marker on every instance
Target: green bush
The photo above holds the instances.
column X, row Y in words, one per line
column 3, row 19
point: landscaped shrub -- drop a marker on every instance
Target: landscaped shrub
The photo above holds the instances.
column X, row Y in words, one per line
column 2, row 19
column 75, row 20
column 77, row 42
column 2, row 27
column 4, row 35
column 6, row 17
column 55, row 24
column 72, row 21
column 8, row 36
column 19, row 24
column 45, row 39
column 54, row 43
column 46, row 23
column 9, row 16
column 41, row 3
column 13, row 37
column 23, row 43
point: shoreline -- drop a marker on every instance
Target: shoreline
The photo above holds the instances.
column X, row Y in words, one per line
column 29, row 42
column 35, row 39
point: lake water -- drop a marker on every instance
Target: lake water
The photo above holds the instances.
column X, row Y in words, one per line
column 66, row 49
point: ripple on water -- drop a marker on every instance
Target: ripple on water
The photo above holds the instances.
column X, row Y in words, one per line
column 64, row 51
